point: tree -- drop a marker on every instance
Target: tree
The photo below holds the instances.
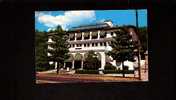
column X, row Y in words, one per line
column 122, row 47
column 91, row 61
column 143, row 36
column 41, row 61
column 60, row 50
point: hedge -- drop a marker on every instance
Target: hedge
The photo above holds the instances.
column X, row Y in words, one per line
column 109, row 66
column 40, row 69
column 105, row 71
column 87, row 71
column 118, row 71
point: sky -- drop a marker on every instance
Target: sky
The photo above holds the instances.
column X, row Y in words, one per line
column 48, row 20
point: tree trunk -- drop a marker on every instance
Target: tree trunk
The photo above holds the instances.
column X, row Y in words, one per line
column 123, row 69
column 57, row 68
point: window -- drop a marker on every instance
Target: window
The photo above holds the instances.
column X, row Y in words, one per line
column 109, row 42
column 111, row 33
column 87, row 45
column 73, row 45
column 92, row 44
column 104, row 43
column 101, row 44
column 84, row 45
column 79, row 36
column 102, row 34
column 86, row 35
column 72, row 36
column 78, row 45
column 96, row 44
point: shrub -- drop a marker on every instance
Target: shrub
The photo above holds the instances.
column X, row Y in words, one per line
column 109, row 66
column 118, row 71
column 91, row 61
column 126, row 68
column 40, row 68
column 52, row 66
column 92, row 64
column 87, row 71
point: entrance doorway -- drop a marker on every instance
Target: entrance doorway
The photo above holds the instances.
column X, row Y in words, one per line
column 77, row 64
column 68, row 64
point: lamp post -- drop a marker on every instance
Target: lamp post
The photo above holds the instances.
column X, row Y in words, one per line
column 138, row 46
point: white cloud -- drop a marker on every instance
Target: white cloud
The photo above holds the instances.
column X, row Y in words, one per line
column 51, row 28
column 67, row 20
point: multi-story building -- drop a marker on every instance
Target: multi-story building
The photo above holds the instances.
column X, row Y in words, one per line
column 96, row 37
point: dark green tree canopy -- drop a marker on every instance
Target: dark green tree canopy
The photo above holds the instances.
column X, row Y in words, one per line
column 60, row 46
column 122, row 47
column 41, row 61
column 91, row 61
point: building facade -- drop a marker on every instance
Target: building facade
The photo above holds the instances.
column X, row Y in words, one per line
column 87, row 38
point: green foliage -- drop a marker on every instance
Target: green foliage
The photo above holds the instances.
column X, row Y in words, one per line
column 87, row 71
column 109, row 66
column 41, row 50
column 91, row 61
column 143, row 36
column 122, row 47
column 60, row 46
column 118, row 72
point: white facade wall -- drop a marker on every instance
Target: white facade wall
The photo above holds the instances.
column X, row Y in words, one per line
column 100, row 49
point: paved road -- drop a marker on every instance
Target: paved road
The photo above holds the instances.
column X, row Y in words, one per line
column 77, row 78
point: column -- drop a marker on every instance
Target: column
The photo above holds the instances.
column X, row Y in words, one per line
column 107, row 43
column 55, row 65
column 73, row 64
column 82, row 35
column 64, row 65
column 98, row 34
column 90, row 35
column 103, row 60
column 82, row 63
column 75, row 36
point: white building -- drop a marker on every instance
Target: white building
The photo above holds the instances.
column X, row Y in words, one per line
column 91, row 37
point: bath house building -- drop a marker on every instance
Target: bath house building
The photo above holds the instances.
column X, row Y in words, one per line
column 95, row 37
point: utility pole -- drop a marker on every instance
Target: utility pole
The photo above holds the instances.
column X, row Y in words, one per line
column 139, row 65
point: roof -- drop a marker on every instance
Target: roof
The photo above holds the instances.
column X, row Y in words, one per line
column 92, row 29
column 92, row 26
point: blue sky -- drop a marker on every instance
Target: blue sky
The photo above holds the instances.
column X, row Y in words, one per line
column 47, row 20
